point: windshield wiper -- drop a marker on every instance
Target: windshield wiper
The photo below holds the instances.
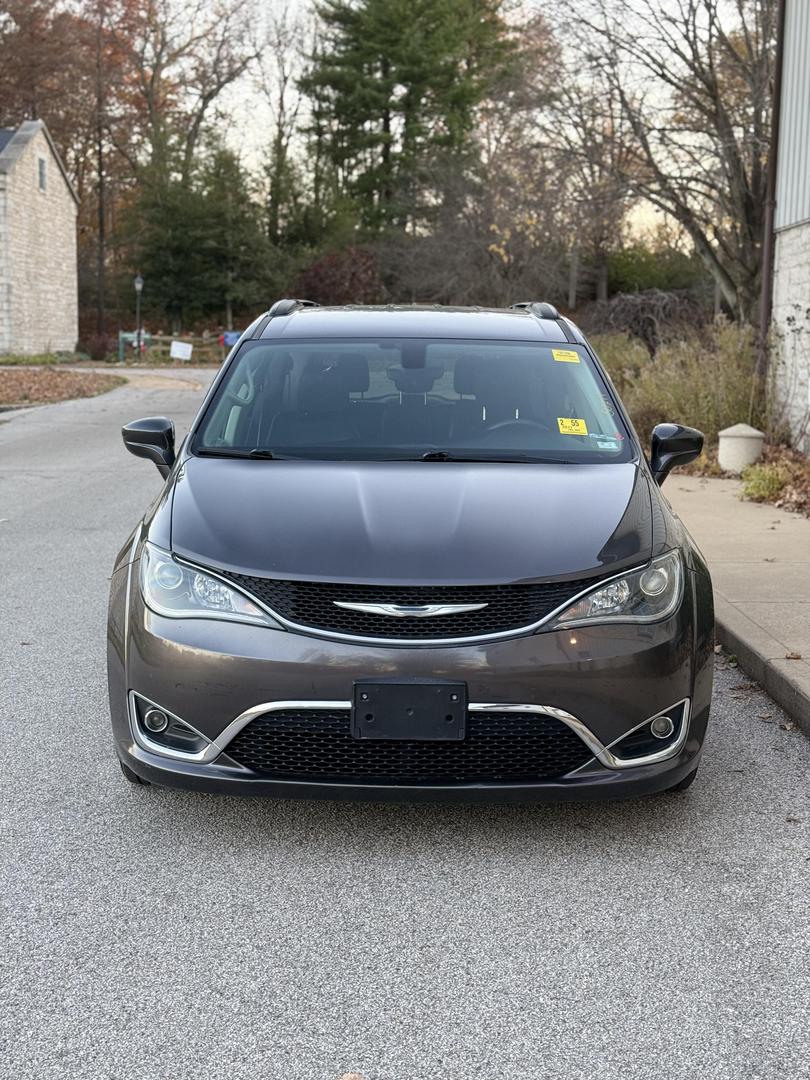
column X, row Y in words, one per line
column 530, row 459
column 225, row 451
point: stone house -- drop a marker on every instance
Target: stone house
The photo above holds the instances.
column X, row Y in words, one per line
column 38, row 274
column 791, row 284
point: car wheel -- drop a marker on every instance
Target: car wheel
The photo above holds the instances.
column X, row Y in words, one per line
column 132, row 776
column 687, row 782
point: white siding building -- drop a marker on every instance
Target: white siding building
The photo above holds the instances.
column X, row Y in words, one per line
column 791, row 295
column 38, row 274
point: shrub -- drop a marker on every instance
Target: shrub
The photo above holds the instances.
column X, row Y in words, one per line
column 638, row 267
column 348, row 276
column 653, row 316
column 763, row 482
column 704, row 379
column 100, row 347
column 623, row 356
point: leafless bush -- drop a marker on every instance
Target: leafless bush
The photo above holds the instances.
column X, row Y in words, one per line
column 652, row 316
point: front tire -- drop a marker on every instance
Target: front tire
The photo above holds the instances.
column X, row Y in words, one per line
column 687, row 782
column 133, row 777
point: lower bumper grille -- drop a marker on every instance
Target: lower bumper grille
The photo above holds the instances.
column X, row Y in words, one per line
column 317, row 745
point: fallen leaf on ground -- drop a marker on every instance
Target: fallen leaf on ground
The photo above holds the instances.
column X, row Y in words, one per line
column 769, row 560
column 788, row 725
column 793, row 656
column 718, row 648
column 43, row 386
column 793, row 820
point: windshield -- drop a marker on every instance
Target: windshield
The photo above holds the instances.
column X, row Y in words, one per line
column 386, row 399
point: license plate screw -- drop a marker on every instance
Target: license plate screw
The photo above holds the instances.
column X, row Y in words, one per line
column 364, row 697
column 454, row 697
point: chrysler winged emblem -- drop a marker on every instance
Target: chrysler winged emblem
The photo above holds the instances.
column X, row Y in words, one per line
column 409, row 611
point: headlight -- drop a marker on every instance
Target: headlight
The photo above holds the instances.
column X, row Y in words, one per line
column 642, row 596
column 182, row 592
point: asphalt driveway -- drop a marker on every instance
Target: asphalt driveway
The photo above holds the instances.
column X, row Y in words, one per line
column 165, row 936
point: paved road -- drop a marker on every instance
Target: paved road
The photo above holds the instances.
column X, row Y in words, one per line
column 167, row 936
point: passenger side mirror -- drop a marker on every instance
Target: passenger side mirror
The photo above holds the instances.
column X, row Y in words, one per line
column 152, row 438
column 673, row 444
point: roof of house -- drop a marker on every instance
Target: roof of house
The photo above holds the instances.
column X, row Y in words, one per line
column 13, row 143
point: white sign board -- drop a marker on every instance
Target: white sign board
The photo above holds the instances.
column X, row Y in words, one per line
column 180, row 350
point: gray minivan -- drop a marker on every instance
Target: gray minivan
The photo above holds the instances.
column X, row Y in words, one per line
column 411, row 553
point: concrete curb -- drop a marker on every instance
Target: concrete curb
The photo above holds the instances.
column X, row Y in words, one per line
column 763, row 658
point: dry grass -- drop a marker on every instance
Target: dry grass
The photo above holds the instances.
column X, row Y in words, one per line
column 705, row 379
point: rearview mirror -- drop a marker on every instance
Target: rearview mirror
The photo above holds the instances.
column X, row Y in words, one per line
column 673, row 444
column 152, row 438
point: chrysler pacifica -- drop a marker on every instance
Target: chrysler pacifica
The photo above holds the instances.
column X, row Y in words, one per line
column 411, row 553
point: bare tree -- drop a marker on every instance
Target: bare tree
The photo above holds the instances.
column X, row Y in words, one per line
column 585, row 127
column 694, row 81
column 280, row 65
column 180, row 56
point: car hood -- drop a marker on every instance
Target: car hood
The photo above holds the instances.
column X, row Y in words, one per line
column 411, row 522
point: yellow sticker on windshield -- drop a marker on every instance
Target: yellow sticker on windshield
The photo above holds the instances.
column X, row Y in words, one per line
column 565, row 356
column 570, row 426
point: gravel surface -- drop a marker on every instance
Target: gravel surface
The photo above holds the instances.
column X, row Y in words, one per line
column 164, row 936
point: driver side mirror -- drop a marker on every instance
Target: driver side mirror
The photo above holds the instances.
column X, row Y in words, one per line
column 152, row 438
column 673, row 444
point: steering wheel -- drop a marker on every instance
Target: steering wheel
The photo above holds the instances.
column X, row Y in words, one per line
column 517, row 424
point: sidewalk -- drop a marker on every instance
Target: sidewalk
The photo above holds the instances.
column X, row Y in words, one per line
column 760, row 562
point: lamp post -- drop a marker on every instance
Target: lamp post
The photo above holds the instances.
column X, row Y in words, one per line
column 138, row 290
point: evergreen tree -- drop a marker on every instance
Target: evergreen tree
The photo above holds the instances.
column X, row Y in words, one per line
column 200, row 243
column 394, row 82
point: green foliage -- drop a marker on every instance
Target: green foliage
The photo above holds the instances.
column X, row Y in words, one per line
column 235, row 242
column 703, row 379
column 200, row 245
column 391, row 83
column 638, row 267
column 764, row 482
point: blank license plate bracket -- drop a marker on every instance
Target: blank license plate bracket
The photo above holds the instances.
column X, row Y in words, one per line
column 423, row 711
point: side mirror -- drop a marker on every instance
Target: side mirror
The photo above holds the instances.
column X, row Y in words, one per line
column 673, row 444
column 152, row 438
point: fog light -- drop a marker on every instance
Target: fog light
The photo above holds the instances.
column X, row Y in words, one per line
column 155, row 720
column 662, row 727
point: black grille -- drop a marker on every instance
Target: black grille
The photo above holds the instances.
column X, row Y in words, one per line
column 317, row 745
column 311, row 603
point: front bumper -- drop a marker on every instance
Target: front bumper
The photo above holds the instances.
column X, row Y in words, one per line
column 610, row 679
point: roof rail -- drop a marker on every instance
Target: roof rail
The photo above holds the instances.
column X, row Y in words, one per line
column 539, row 308
column 287, row 307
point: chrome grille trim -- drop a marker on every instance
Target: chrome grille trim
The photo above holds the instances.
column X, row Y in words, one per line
column 600, row 752
column 334, row 635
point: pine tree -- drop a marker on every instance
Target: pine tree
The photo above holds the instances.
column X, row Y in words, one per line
column 393, row 84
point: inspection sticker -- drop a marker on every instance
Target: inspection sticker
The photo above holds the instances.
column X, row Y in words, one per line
column 565, row 356
column 570, row 426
